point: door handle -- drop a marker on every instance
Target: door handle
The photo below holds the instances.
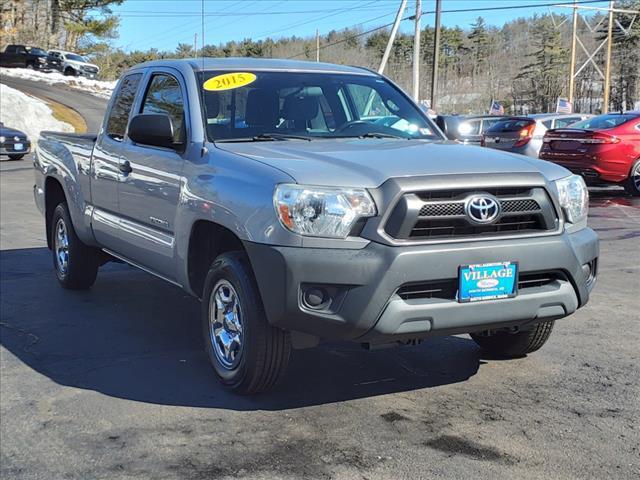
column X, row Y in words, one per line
column 125, row 167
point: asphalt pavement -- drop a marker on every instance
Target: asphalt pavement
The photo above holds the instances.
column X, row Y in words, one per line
column 113, row 383
column 90, row 107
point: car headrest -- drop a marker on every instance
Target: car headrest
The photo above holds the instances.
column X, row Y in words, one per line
column 300, row 108
column 212, row 104
column 262, row 108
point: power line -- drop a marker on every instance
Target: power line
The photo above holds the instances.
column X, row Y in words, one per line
column 460, row 10
column 142, row 13
column 190, row 24
column 297, row 24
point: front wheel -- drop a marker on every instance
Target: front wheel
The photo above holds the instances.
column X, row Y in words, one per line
column 507, row 344
column 247, row 354
column 632, row 185
column 76, row 264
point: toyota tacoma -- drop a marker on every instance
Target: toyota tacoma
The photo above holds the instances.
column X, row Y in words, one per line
column 303, row 202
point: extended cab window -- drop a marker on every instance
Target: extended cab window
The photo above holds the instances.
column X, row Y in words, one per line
column 123, row 101
column 165, row 97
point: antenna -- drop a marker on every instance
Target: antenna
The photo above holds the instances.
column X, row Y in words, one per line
column 202, row 49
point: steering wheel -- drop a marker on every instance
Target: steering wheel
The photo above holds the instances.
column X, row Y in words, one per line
column 353, row 124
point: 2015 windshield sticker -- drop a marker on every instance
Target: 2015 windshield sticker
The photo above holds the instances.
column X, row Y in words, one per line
column 229, row 81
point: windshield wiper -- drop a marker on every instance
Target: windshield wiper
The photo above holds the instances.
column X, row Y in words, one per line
column 265, row 137
column 280, row 136
column 375, row 135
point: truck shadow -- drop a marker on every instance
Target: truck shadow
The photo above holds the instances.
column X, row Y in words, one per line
column 134, row 337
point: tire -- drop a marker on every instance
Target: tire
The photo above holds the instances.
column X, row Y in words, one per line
column 257, row 353
column 70, row 72
column 632, row 184
column 512, row 345
column 30, row 66
column 75, row 264
column 16, row 157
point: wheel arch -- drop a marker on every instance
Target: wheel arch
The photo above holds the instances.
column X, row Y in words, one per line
column 207, row 240
column 53, row 195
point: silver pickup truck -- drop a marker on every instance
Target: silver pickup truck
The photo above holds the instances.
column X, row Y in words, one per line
column 306, row 201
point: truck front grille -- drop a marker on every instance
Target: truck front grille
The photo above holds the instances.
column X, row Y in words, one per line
column 420, row 216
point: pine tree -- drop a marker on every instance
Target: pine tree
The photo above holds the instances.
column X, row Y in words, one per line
column 546, row 74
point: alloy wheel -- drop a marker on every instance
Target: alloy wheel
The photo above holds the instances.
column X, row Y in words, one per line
column 61, row 247
column 225, row 324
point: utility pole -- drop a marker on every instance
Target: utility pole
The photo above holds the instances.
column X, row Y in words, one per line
column 436, row 56
column 392, row 37
column 195, row 44
column 607, row 71
column 590, row 56
column 416, row 52
column 572, row 67
column 317, row 45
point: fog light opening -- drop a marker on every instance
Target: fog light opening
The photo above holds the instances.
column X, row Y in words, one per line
column 589, row 270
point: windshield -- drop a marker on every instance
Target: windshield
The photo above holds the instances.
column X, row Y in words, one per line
column 269, row 105
column 603, row 122
column 36, row 51
column 75, row 58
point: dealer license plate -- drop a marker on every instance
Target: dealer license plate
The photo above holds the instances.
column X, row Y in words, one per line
column 487, row 281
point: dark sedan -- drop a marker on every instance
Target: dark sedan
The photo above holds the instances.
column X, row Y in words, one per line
column 13, row 143
column 467, row 129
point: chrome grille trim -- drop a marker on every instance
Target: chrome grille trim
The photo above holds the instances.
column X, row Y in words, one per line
column 440, row 214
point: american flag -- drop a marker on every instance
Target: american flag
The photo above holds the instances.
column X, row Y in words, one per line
column 496, row 108
column 564, row 106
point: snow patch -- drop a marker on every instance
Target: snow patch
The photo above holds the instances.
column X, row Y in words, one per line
column 28, row 114
column 98, row 88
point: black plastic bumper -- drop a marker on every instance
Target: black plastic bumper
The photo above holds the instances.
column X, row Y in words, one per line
column 363, row 284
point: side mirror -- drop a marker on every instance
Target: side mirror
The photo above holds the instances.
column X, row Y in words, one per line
column 152, row 129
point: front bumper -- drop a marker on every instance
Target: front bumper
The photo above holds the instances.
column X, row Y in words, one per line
column 10, row 150
column 364, row 285
column 90, row 75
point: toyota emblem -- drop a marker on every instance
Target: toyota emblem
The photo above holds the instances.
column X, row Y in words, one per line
column 482, row 208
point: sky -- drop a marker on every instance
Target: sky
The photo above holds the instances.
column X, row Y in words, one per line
column 163, row 24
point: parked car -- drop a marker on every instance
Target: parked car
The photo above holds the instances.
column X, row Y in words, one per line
column 21, row 56
column 603, row 149
column 467, row 129
column 13, row 143
column 309, row 220
column 524, row 135
column 74, row 64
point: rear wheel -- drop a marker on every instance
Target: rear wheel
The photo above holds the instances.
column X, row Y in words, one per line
column 632, row 185
column 76, row 264
column 247, row 354
column 507, row 344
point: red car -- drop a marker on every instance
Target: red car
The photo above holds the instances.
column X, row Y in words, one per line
column 603, row 149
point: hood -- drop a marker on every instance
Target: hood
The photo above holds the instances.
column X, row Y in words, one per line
column 82, row 64
column 370, row 162
column 11, row 132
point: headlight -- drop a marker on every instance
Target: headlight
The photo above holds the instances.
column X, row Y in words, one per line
column 574, row 198
column 320, row 211
column 2, row 139
column 42, row 60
